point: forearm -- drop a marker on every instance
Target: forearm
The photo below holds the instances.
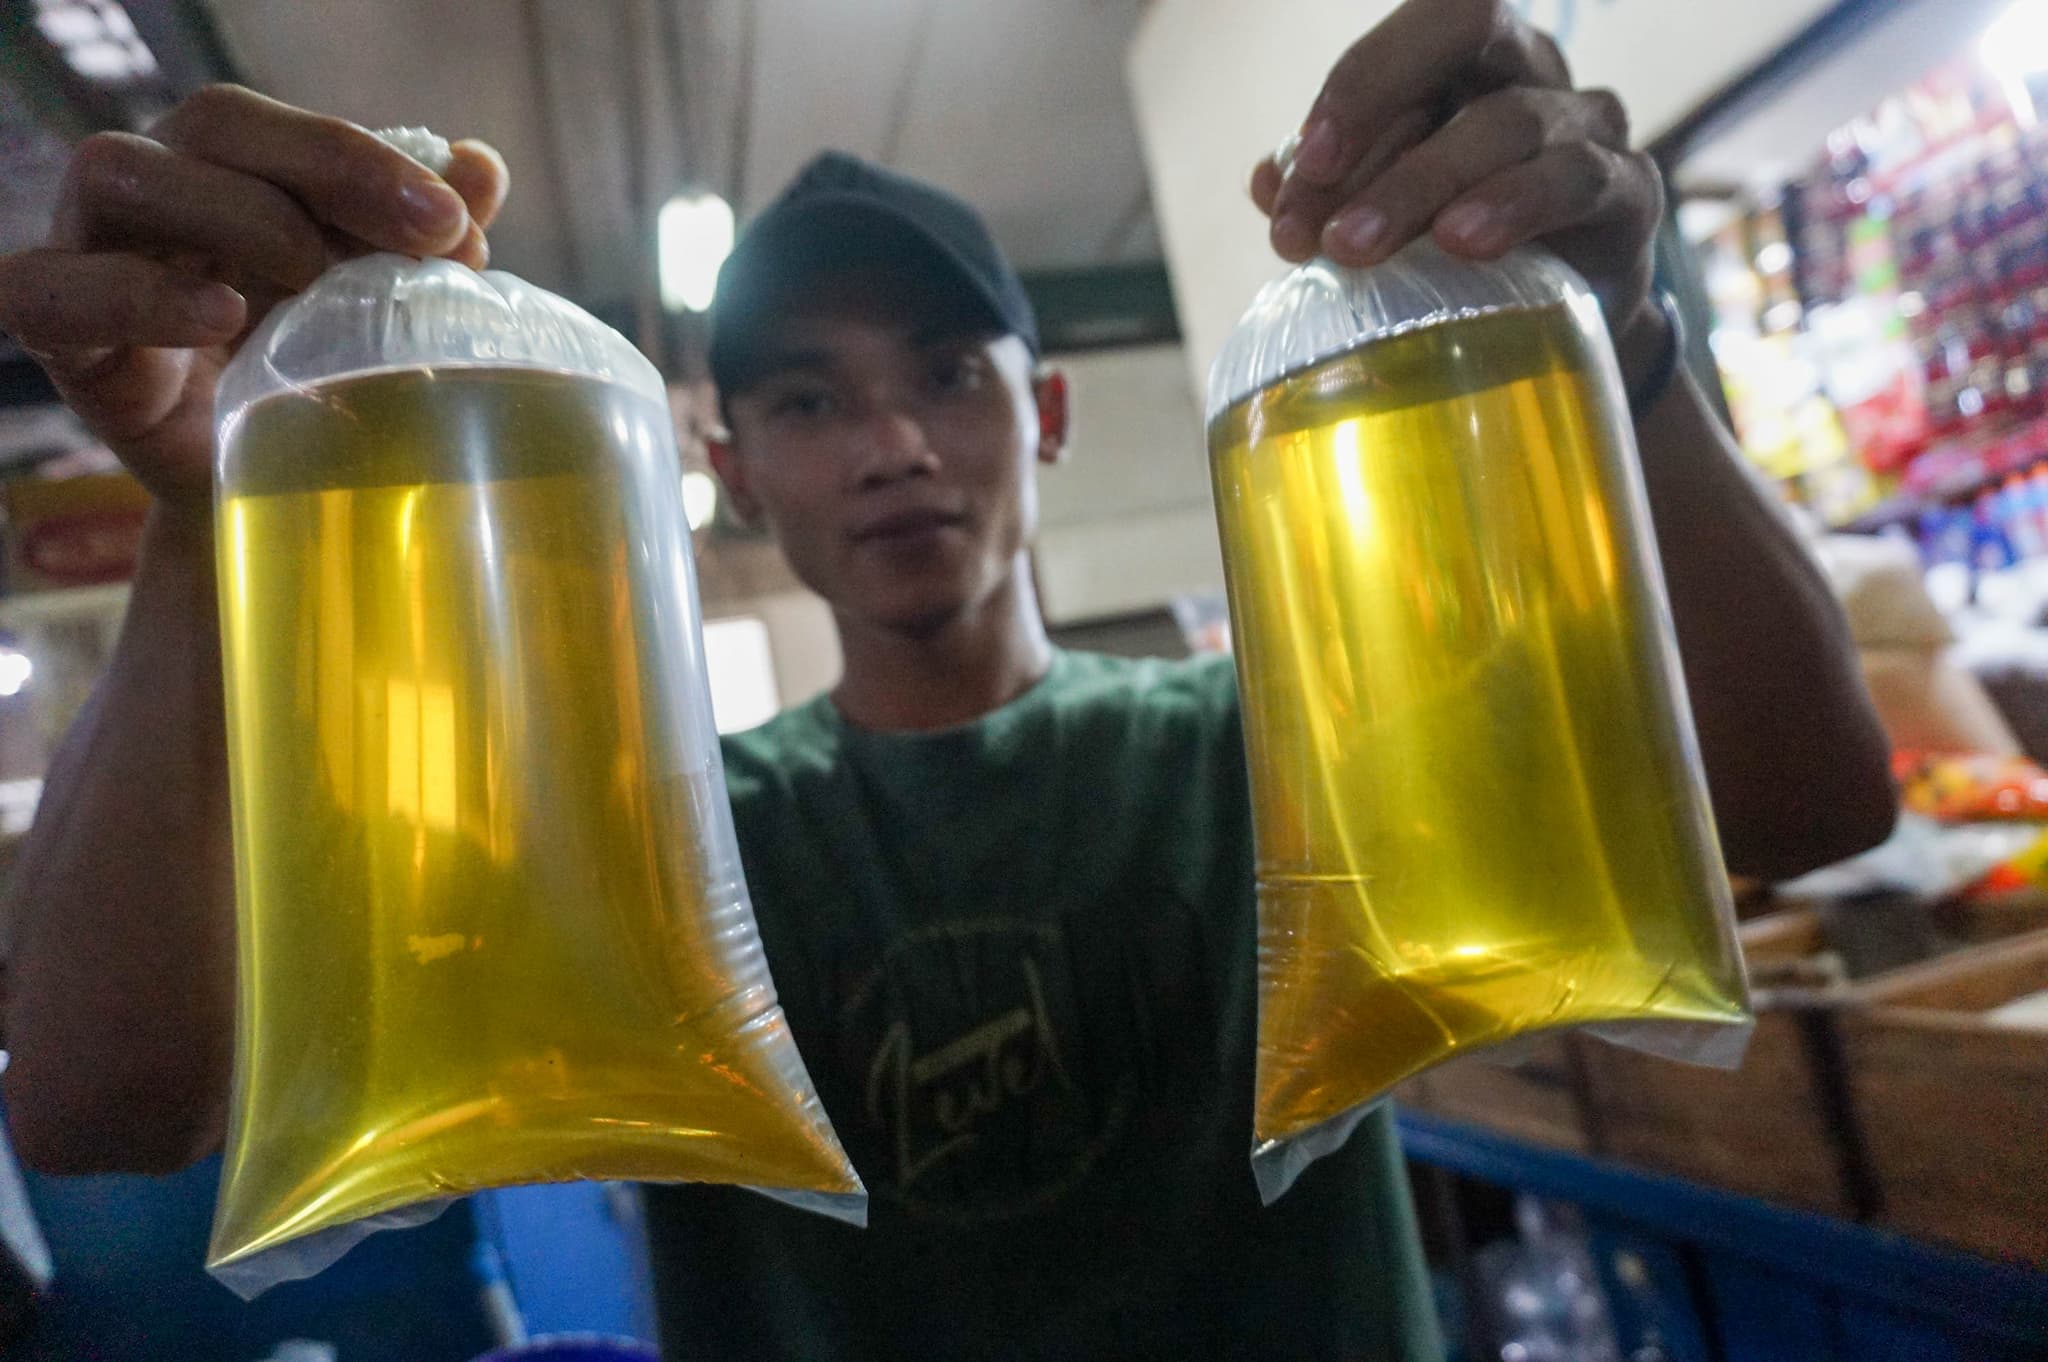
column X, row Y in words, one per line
column 119, row 1014
column 1797, row 763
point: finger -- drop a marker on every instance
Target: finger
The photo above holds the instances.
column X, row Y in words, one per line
column 344, row 176
column 1265, row 186
column 124, row 192
column 1578, row 187
column 477, row 172
column 63, row 305
column 1302, row 208
column 141, row 400
column 1422, row 52
column 474, row 250
column 1496, row 131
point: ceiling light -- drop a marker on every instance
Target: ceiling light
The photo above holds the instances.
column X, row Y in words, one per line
column 119, row 25
column 693, row 234
column 2015, row 45
column 15, row 670
column 68, row 24
column 700, row 498
column 97, row 39
column 100, row 61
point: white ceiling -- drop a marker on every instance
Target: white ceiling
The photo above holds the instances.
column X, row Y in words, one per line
column 1019, row 107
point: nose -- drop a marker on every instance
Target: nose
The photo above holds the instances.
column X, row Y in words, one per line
column 892, row 447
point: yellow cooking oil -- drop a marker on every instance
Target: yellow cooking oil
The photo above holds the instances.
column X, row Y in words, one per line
column 481, row 941
column 1475, row 808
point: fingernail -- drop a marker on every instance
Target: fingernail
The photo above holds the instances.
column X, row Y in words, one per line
column 1316, row 157
column 1293, row 237
column 482, row 148
column 432, row 209
column 215, row 306
column 1474, row 224
column 1358, row 233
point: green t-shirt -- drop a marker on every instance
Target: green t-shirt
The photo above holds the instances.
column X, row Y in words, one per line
column 1018, row 959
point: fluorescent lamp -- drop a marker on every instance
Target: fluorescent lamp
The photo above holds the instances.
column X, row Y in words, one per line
column 700, row 498
column 2015, row 45
column 694, row 235
column 15, row 670
column 97, row 39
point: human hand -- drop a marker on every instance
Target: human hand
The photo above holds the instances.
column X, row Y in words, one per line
column 1457, row 119
column 167, row 249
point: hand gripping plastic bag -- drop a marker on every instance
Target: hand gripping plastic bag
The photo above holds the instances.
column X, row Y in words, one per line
column 492, row 924
column 1478, row 799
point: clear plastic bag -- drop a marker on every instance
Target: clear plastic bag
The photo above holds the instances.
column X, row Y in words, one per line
column 1479, row 803
column 492, row 924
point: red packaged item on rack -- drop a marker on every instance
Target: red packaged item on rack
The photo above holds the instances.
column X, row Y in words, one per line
column 1890, row 426
column 1971, row 787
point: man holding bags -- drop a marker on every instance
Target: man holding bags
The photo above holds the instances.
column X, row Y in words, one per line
column 1006, row 891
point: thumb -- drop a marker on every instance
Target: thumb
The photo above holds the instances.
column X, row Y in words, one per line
column 477, row 172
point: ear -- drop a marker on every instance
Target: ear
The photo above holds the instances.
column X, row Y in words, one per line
column 732, row 471
column 1049, row 388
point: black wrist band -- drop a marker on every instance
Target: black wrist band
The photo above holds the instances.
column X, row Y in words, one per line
column 1643, row 394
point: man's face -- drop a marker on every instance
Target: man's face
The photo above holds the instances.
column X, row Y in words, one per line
column 887, row 438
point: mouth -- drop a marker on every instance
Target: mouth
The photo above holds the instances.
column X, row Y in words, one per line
column 903, row 527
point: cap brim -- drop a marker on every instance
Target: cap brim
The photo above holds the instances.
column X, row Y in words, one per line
column 825, row 233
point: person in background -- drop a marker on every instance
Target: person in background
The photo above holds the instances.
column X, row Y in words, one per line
column 1006, row 891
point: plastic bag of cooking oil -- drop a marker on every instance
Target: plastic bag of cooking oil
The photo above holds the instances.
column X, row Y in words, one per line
column 1480, row 811
column 492, row 925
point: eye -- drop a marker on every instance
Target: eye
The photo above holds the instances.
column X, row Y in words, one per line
column 801, row 404
column 956, row 372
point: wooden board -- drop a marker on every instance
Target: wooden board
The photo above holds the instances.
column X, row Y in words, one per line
column 1954, row 1109
column 1788, row 934
column 1881, row 1099
column 1537, row 1099
column 1990, row 918
column 1764, row 1129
